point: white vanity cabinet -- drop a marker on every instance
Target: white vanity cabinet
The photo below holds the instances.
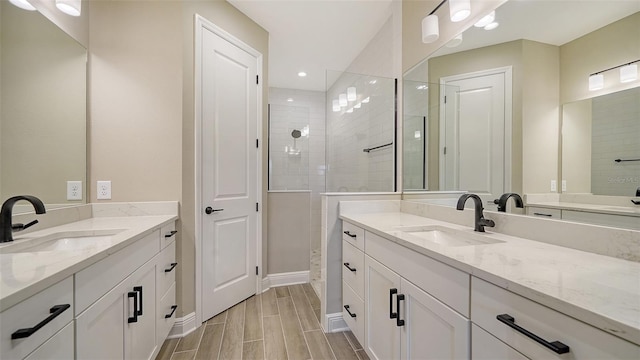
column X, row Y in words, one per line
column 506, row 317
column 401, row 319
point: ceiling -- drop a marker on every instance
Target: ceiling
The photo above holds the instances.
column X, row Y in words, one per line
column 314, row 35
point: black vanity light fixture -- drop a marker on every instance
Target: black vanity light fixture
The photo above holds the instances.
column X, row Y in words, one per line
column 628, row 73
column 458, row 11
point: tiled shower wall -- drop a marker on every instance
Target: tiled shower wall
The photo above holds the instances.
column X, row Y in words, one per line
column 616, row 134
column 313, row 178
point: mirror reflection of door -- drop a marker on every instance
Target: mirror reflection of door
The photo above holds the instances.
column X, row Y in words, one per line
column 473, row 146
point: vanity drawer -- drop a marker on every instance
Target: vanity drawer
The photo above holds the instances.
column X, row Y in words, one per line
column 445, row 283
column 165, row 307
column 32, row 312
column 487, row 347
column 356, row 307
column 96, row 280
column 546, row 213
column 166, row 269
column 584, row 341
column 168, row 234
column 353, row 235
column 354, row 259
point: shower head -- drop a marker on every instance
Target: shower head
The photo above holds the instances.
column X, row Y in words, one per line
column 296, row 134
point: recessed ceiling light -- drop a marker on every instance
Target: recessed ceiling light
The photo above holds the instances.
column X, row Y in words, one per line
column 302, row 74
column 492, row 26
column 290, row 99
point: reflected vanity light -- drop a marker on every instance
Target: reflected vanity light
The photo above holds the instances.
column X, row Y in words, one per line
column 336, row 105
column 422, row 87
column 628, row 73
column 357, row 106
column 69, row 7
column 488, row 19
column 350, row 110
column 302, row 74
column 290, row 100
column 366, row 100
column 456, row 41
column 23, row 4
column 492, row 26
column 351, row 93
column 416, row 134
column 372, row 82
column 342, row 100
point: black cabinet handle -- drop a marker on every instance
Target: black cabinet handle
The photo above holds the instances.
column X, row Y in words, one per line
column 349, row 234
column 26, row 332
column 173, row 309
column 346, row 307
column 542, row 214
column 173, row 266
column 349, row 267
column 134, row 318
column 399, row 298
column 555, row 346
column 138, row 289
column 392, row 292
column 173, row 232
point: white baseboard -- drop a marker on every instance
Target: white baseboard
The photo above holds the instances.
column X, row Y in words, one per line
column 282, row 279
column 183, row 326
column 336, row 323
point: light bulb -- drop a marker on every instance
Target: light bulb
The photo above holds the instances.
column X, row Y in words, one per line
column 459, row 9
column 596, row 82
column 629, row 73
column 430, row 29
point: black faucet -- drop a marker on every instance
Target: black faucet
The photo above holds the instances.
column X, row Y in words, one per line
column 480, row 221
column 6, row 228
column 502, row 202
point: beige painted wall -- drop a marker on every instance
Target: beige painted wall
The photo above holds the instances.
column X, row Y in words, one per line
column 233, row 21
column 43, row 107
column 289, row 219
column 612, row 45
column 413, row 11
column 77, row 27
column 576, row 146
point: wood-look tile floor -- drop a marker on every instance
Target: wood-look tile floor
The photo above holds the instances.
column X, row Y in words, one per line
column 281, row 323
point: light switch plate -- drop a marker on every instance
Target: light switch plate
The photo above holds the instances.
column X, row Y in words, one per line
column 554, row 186
column 564, row 185
column 104, row 190
column 74, row 190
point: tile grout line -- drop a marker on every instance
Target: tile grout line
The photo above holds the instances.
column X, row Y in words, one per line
column 224, row 329
column 200, row 340
column 264, row 337
column 244, row 323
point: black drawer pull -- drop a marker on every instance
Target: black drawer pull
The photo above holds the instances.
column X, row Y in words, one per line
column 173, row 266
column 349, row 267
column 139, row 290
column 349, row 234
column 134, row 318
column 542, row 214
column 26, row 332
column 173, row 309
column 399, row 298
column 173, row 232
column 555, row 346
column 392, row 292
column 346, row 307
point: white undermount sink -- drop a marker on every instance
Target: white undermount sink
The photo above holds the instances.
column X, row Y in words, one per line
column 440, row 235
column 62, row 241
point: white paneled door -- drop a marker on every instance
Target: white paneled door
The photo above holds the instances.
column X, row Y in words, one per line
column 229, row 114
column 474, row 140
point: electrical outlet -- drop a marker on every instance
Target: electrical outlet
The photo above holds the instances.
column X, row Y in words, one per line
column 74, row 190
column 554, row 186
column 564, row 185
column 104, row 190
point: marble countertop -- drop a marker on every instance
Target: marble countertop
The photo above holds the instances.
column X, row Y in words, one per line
column 596, row 208
column 599, row 290
column 24, row 274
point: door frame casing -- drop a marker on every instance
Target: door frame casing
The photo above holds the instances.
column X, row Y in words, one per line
column 202, row 24
column 508, row 118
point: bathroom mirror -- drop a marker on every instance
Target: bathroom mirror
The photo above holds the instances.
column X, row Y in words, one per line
column 531, row 45
column 43, row 108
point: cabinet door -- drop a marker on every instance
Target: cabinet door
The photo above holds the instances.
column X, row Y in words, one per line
column 431, row 329
column 140, row 336
column 100, row 328
column 382, row 336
